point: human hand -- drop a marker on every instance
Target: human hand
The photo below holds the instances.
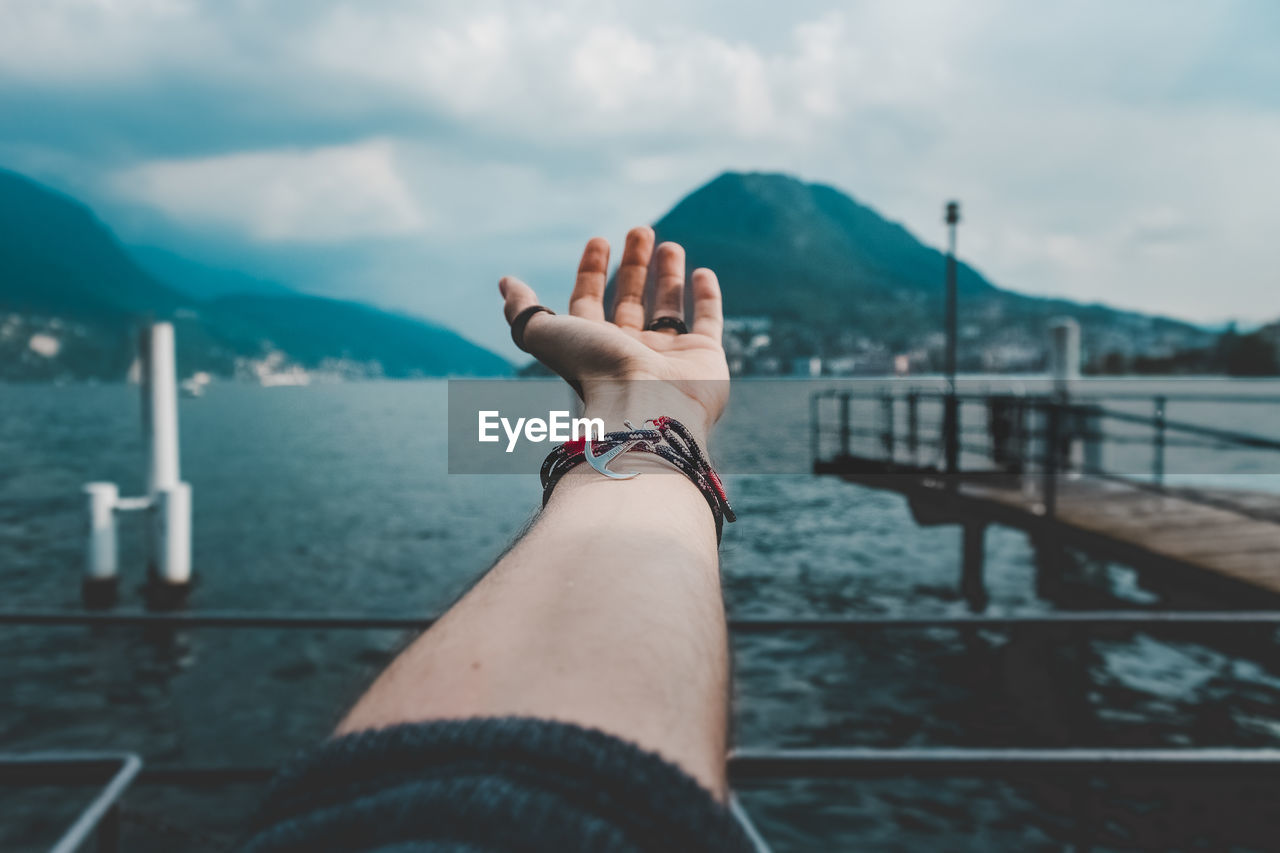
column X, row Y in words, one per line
column 620, row 369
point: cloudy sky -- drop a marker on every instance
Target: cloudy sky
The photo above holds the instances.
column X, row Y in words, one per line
column 410, row 153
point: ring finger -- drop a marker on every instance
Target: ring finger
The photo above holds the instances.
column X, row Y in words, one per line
column 668, row 295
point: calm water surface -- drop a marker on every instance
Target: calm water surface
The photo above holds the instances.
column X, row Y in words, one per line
column 336, row 497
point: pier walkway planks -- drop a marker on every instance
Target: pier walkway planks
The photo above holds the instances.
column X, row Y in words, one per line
column 1231, row 536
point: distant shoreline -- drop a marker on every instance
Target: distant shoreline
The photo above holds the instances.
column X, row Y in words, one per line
column 923, row 378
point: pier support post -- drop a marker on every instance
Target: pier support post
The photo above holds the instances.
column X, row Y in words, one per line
column 815, row 431
column 888, row 429
column 973, row 586
column 100, row 587
column 1093, row 439
column 951, row 438
column 913, row 426
column 1064, row 367
column 1052, row 458
column 845, row 447
column 169, row 572
column 1051, row 563
column 1157, row 442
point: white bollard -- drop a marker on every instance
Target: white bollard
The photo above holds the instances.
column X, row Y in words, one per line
column 101, row 565
column 1064, row 353
column 160, row 406
column 170, row 540
column 171, row 515
column 168, row 499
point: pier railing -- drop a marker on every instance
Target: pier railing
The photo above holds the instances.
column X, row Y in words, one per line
column 1037, row 438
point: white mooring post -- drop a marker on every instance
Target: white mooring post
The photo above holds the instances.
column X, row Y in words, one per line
column 159, row 406
column 101, row 570
column 169, row 572
column 1064, row 353
column 168, row 499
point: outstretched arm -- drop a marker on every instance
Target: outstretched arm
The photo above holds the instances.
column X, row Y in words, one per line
column 608, row 613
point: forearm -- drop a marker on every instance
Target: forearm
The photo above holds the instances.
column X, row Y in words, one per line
column 607, row 613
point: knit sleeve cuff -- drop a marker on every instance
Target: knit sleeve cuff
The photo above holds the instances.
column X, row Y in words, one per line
column 489, row 784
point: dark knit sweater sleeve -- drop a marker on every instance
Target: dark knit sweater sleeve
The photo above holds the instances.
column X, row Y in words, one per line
column 499, row 784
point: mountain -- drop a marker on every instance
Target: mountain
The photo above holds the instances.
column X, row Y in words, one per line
column 56, row 258
column 836, row 278
column 315, row 330
column 71, row 295
column 199, row 281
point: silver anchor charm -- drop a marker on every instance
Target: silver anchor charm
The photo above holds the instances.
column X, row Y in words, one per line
column 601, row 462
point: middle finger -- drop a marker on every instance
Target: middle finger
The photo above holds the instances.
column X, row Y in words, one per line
column 668, row 295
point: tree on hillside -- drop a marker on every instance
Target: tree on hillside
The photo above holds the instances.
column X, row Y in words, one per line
column 1246, row 355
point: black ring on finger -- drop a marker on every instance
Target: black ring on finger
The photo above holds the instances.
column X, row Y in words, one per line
column 522, row 319
column 659, row 323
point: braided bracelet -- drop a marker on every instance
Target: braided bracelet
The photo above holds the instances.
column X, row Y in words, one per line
column 669, row 439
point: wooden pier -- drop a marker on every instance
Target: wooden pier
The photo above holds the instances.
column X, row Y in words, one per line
column 1040, row 470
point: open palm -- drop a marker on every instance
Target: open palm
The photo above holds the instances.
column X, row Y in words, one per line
column 595, row 354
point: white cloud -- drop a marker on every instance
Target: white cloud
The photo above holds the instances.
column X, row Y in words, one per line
column 1074, row 134
column 97, row 42
column 291, row 195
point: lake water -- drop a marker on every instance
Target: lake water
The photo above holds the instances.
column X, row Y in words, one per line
column 336, row 497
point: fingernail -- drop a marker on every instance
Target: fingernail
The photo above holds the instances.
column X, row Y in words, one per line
column 502, row 287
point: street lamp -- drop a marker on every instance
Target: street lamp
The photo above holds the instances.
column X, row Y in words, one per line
column 951, row 412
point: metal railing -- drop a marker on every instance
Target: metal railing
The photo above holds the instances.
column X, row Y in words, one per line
column 1029, row 433
column 763, row 764
column 235, row 619
column 101, row 818
column 868, row 762
column 1075, row 767
column 746, row 764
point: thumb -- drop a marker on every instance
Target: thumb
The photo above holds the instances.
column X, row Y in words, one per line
column 516, row 296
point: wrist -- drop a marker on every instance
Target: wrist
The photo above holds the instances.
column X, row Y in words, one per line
column 641, row 400
column 653, row 409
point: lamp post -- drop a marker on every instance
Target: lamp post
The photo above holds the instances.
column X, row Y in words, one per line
column 951, row 412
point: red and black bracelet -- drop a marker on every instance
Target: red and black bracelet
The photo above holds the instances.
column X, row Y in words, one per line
column 669, row 439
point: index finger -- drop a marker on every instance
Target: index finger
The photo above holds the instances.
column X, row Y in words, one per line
column 708, row 308
column 628, row 295
column 587, row 300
